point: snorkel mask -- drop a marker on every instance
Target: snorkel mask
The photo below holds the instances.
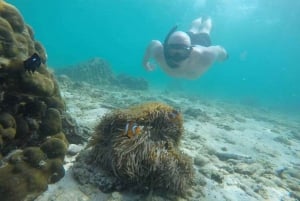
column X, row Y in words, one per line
column 174, row 53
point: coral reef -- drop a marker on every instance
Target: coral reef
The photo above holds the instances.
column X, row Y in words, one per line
column 95, row 71
column 129, row 82
column 98, row 72
column 138, row 149
column 32, row 113
column 16, row 38
column 25, row 174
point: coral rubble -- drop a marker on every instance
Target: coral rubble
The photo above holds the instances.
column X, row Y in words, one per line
column 32, row 139
column 138, row 148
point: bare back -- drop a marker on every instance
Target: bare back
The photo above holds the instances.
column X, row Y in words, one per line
column 200, row 59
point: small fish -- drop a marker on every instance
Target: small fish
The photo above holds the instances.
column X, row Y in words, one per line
column 132, row 129
column 32, row 63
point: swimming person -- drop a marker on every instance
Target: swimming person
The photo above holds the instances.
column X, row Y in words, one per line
column 185, row 54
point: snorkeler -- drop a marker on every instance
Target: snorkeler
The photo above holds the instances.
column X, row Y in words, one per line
column 185, row 54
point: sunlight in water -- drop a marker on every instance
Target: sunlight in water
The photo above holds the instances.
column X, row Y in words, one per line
column 237, row 8
column 199, row 3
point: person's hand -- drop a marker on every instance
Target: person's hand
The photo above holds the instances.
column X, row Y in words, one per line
column 149, row 66
column 226, row 55
column 223, row 55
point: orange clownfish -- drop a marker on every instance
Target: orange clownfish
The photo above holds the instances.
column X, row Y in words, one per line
column 132, row 129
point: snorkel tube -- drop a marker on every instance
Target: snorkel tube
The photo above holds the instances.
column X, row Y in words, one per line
column 174, row 60
column 169, row 61
column 169, row 34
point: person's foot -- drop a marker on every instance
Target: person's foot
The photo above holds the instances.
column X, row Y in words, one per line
column 201, row 25
column 206, row 26
column 196, row 25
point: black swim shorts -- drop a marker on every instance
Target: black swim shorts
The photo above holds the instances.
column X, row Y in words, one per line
column 202, row 39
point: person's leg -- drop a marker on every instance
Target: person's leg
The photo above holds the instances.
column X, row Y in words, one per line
column 206, row 26
column 199, row 32
column 196, row 25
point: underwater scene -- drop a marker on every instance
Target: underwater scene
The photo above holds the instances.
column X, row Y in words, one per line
column 127, row 100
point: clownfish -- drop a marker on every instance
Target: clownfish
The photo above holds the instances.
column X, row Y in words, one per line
column 132, row 129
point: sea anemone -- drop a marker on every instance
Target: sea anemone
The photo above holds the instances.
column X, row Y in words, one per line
column 148, row 159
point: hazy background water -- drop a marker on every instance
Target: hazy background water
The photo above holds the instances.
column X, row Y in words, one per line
column 261, row 36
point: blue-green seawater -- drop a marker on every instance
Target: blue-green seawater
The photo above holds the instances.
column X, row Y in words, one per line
column 262, row 38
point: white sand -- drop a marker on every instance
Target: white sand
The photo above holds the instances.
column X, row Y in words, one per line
column 237, row 150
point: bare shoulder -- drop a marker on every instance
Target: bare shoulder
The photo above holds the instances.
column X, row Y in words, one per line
column 156, row 44
column 203, row 55
column 211, row 53
column 157, row 48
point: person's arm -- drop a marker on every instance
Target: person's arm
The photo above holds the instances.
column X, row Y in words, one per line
column 219, row 53
column 206, row 56
column 151, row 52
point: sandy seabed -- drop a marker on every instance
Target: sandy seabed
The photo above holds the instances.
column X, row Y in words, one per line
column 240, row 153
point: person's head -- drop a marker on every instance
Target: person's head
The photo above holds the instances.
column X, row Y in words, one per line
column 177, row 46
column 179, row 37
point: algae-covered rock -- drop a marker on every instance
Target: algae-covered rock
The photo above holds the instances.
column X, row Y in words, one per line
column 32, row 142
column 139, row 148
column 54, row 148
column 34, row 156
column 25, row 174
column 13, row 16
column 17, row 39
column 51, row 122
column 37, row 83
column 6, row 32
column 7, row 127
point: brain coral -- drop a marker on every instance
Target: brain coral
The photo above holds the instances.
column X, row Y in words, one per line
column 139, row 149
column 32, row 138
